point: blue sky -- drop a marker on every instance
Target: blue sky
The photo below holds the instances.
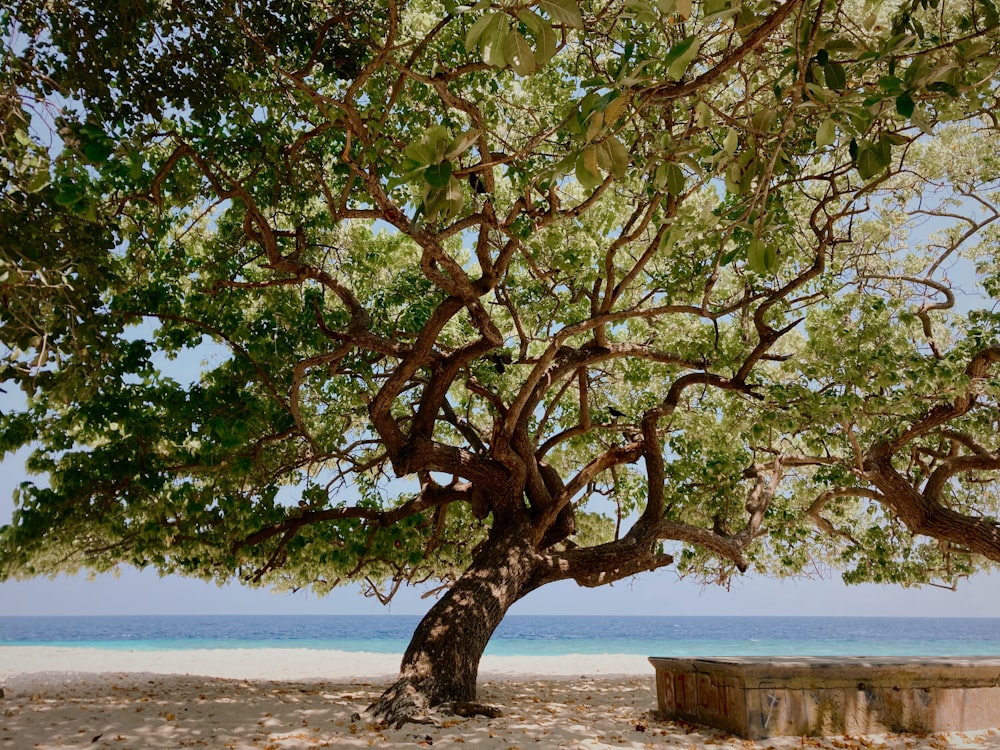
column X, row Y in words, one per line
column 652, row 594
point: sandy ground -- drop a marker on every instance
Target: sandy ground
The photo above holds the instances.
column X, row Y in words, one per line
column 268, row 699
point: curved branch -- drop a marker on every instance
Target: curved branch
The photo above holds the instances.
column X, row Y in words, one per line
column 430, row 497
column 543, row 375
column 977, row 369
column 727, row 547
column 598, row 565
column 379, row 409
column 754, row 40
column 298, row 375
column 958, row 465
column 925, row 309
column 815, row 510
column 613, row 457
column 922, row 512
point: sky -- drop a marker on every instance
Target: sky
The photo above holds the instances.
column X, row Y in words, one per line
column 658, row 593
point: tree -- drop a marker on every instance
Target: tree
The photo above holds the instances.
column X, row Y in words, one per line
column 501, row 295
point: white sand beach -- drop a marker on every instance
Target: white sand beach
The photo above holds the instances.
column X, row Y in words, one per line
column 266, row 699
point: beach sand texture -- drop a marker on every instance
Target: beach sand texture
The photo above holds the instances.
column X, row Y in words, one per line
column 266, row 699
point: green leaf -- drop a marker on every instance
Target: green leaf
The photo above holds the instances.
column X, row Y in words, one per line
column 427, row 150
column 92, row 131
column 478, row 30
column 667, row 242
column 715, row 10
column 681, row 56
column 438, row 175
column 437, row 137
column 566, row 12
column 519, row 54
column 39, row 181
column 566, row 165
column 494, row 46
column 762, row 257
column 905, row 105
column 595, row 126
column 642, row 11
column 969, row 51
column 771, row 258
column 614, row 109
column 826, row 133
column 945, row 88
column 917, row 71
column 841, row 44
column 890, row 84
column 991, row 12
column 756, row 256
column 702, row 114
column 69, row 194
column 764, row 119
column 587, row 172
column 734, row 178
column 545, row 37
column 675, row 178
column 99, row 151
column 919, row 118
column 731, row 141
column 616, row 156
column 870, row 160
column 817, row 92
column 461, row 143
column 444, row 202
column 836, row 76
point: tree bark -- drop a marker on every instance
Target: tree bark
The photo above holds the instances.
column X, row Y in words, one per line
column 441, row 663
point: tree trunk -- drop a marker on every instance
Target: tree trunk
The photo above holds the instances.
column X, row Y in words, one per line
column 441, row 663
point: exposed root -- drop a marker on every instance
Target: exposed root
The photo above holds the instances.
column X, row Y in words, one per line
column 467, row 708
column 403, row 703
column 415, row 702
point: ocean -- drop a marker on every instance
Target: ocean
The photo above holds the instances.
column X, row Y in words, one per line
column 526, row 635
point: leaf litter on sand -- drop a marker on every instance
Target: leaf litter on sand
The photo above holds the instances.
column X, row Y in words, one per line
column 592, row 714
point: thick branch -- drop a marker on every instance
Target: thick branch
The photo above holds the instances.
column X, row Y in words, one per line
column 599, row 565
column 923, row 512
column 924, row 515
column 958, row 465
column 977, row 369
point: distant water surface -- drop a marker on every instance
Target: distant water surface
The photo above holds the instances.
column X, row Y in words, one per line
column 526, row 635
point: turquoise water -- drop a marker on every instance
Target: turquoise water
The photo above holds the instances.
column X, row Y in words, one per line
column 527, row 635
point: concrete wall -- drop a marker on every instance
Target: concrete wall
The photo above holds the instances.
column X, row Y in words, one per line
column 757, row 697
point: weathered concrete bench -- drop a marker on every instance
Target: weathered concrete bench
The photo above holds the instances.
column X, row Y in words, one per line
column 758, row 697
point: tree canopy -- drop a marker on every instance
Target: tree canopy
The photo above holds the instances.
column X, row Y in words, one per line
column 546, row 288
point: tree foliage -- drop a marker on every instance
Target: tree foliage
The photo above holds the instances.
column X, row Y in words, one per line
column 635, row 283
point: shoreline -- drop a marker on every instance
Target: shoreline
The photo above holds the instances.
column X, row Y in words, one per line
column 296, row 663
column 249, row 699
